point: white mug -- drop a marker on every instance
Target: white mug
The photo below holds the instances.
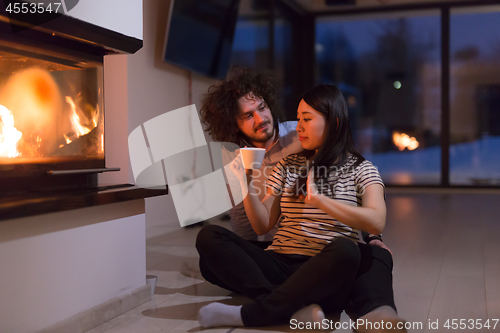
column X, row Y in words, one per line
column 252, row 157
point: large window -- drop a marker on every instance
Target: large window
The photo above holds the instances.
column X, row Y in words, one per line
column 475, row 96
column 282, row 61
column 388, row 67
column 264, row 40
column 251, row 43
column 421, row 80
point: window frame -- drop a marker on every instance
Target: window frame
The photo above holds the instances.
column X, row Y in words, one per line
column 445, row 9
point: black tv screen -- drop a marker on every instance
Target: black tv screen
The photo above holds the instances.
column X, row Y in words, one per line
column 200, row 35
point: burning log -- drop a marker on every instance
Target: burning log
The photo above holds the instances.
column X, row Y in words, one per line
column 87, row 145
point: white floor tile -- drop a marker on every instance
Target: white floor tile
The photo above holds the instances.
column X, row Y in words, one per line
column 458, row 297
column 492, row 279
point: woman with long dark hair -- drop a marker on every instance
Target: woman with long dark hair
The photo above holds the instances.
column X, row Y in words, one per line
column 320, row 198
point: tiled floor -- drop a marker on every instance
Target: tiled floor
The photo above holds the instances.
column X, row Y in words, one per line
column 446, row 266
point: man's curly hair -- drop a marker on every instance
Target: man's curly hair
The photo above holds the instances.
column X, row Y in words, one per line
column 219, row 106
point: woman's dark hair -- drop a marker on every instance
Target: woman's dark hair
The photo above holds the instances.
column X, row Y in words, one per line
column 328, row 100
column 219, row 106
column 334, row 152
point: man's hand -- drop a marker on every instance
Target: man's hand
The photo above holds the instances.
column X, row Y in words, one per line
column 379, row 243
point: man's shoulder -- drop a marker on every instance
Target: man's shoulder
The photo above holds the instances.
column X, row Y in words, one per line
column 290, row 143
column 291, row 135
column 287, row 126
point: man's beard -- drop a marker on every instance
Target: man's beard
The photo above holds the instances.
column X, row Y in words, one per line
column 260, row 139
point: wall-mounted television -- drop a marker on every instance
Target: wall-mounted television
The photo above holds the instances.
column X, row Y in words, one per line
column 200, row 34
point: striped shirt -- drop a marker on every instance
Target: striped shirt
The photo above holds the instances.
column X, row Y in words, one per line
column 286, row 145
column 305, row 229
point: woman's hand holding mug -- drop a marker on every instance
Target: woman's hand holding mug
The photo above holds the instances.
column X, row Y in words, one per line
column 243, row 175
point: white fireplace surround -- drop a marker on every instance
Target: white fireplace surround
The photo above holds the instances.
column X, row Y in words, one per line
column 55, row 266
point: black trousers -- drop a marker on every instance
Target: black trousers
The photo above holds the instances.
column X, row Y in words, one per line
column 372, row 286
column 373, row 283
column 281, row 284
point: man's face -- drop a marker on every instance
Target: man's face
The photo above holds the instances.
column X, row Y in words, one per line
column 255, row 120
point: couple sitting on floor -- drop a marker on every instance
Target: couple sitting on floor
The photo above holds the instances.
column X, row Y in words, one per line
column 320, row 193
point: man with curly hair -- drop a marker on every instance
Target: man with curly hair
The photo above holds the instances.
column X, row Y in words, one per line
column 242, row 109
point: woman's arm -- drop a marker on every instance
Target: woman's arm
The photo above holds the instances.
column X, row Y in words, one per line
column 370, row 217
column 262, row 215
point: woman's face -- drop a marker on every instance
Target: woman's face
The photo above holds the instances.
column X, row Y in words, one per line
column 311, row 127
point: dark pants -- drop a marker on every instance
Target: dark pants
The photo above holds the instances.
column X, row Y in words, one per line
column 280, row 284
column 372, row 286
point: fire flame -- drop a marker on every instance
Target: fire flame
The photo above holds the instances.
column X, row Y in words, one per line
column 75, row 120
column 32, row 101
column 95, row 117
column 77, row 124
column 403, row 140
column 9, row 135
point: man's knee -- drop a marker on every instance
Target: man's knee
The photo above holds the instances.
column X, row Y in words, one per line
column 375, row 255
column 344, row 250
column 206, row 236
column 383, row 255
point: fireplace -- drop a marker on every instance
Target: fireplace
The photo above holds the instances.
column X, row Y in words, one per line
column 51, row 119
column 52, row 130
column 73, row 250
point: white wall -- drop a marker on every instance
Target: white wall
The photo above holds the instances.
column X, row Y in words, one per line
column 153, row 88
column 123, row 16
column 57, row 265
